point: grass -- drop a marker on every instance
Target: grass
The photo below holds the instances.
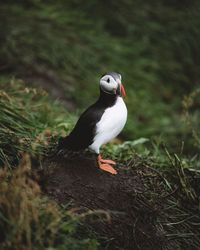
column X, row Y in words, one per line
column 191, row 115
column 152, row 46
column 155, row 49
column 29, row 220
column 30, row 124
column 175, row 192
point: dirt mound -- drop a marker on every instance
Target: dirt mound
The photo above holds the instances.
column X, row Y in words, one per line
column 125, row 196
column 143, row 214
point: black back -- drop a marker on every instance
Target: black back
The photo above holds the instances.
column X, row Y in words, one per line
column 85, row 129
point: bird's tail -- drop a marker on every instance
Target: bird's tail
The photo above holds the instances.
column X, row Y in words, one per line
column 63, row 144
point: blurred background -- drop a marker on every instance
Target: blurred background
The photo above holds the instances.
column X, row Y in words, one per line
column 65, row 47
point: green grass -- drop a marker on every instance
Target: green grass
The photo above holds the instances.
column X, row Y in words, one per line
column 155, row 46
column 151, row 45
column 30, row 122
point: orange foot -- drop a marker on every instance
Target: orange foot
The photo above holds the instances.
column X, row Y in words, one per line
column 105, row 165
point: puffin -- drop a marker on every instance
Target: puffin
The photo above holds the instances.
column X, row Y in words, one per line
column 100, row 122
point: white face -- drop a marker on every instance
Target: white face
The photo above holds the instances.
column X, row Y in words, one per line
column 109, row 85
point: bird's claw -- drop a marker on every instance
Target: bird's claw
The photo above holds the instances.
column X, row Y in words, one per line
column 108, row 168
column 105, row 165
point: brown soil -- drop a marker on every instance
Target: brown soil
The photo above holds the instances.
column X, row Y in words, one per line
column 133, row 209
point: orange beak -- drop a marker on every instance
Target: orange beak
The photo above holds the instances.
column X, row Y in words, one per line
column 123, row 92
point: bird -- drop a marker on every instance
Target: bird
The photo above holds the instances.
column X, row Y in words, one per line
column 101, row 122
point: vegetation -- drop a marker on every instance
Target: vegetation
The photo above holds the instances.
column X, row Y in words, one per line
column 29, row 127
column 30, row 122
column 57, row 46
column 31, row 221
column 152, row 45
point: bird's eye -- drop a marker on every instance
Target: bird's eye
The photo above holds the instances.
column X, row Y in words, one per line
column 108, row 80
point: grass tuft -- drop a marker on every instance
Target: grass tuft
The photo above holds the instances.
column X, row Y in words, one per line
column 29, row 122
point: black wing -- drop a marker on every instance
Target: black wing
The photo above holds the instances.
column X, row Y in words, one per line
column 84, row 131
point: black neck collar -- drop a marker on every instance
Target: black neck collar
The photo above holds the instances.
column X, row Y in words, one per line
column 107, row 99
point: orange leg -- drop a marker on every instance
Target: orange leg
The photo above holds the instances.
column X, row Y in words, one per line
column 105, row 165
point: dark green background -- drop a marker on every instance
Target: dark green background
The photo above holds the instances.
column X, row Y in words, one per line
column 65, row 46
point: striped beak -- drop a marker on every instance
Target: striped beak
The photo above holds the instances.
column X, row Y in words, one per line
column 122, row 90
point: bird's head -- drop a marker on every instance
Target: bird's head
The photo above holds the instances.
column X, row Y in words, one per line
column 110, row 83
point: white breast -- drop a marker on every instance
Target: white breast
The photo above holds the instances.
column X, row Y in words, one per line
column 110, row 125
